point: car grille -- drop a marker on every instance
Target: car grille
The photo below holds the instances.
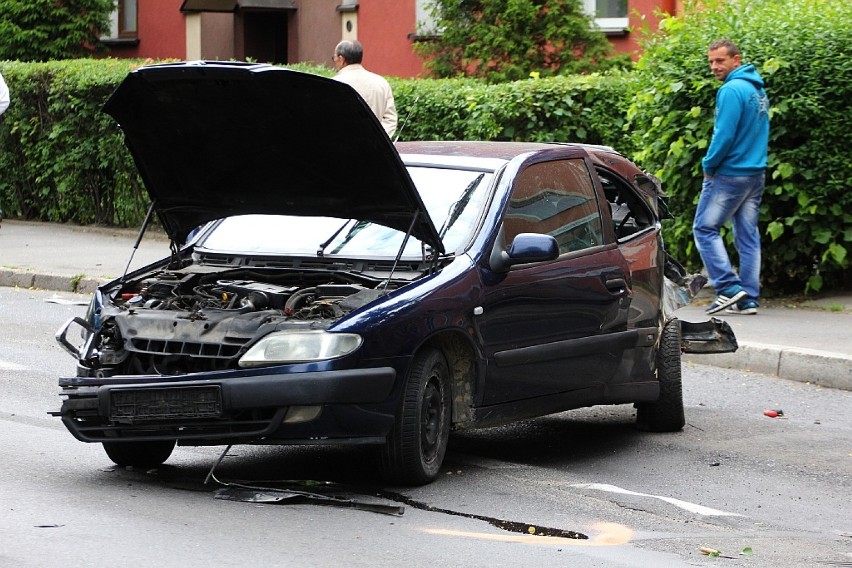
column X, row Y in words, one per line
column 90, row 427
column 189, row 348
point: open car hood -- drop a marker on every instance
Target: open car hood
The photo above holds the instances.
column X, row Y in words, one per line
column 216, row 139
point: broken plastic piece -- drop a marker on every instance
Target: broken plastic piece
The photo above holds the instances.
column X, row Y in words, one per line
column 773, row 413
column 281, row 496
column 713, row 336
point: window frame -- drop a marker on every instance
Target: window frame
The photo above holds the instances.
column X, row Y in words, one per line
column 607, row 25
column 122, row 29
column 524, row 197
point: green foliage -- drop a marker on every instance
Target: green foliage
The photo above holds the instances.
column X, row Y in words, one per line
column 63, row 159
column 801, row 48
column 41, row 30
column 583, row 108
column 506, row 40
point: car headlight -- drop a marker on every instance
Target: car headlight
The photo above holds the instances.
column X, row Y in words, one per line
column 299, row 347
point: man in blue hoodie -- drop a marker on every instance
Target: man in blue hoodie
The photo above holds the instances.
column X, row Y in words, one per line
column 733, row 181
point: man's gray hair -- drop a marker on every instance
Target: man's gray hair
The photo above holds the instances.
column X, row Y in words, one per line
column 350, row 50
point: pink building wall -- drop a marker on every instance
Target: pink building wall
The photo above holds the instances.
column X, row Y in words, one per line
column 161, row 30
column 384, row 27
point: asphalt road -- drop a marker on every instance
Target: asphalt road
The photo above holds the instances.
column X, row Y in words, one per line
column 732, row 480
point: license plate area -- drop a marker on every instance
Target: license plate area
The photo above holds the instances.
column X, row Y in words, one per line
column 168, row 403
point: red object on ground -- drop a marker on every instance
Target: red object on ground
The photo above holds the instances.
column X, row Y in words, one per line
column 772, row 413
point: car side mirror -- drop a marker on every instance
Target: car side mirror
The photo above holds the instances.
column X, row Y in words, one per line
column 525, row 248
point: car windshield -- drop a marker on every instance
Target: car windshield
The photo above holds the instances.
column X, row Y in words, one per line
column 454, row 199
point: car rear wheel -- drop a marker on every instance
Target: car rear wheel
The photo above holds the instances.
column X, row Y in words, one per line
column 666, row 414
column 416, row 446
column 139, row 454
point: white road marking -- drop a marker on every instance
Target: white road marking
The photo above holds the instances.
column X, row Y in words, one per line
column 691, row 507
column 6, row 366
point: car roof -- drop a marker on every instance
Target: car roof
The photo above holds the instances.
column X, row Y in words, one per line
column 484, row 155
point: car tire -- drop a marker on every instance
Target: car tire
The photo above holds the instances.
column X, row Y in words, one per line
column 416, row 446
column 666, row 414
column 139, row 454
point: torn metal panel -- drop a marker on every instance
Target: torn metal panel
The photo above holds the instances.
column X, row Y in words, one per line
column 679, row 287
column 713, row 336
column 288, row 496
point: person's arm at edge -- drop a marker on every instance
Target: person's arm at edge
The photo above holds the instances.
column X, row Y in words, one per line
column 4, row 95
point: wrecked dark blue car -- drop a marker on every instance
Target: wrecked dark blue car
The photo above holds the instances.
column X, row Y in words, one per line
column 326, row 286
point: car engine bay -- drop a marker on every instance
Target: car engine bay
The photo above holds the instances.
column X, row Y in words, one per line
column 184, row 321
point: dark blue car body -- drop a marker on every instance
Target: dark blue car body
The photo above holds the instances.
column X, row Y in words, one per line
column 549, row 296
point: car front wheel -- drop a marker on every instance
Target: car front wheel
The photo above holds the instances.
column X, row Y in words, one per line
column 139, row 454
column 416, row 446
column 666, row 414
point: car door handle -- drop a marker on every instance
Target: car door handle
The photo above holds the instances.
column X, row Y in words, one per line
column 616, row 285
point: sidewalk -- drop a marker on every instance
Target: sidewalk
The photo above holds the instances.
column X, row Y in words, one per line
column 810, row 343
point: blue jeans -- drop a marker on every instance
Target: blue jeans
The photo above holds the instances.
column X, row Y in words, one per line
column 736, row 199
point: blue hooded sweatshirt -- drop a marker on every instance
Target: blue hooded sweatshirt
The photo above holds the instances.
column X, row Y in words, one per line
column 741, row 129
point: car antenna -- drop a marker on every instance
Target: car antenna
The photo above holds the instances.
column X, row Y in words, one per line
column 405, row 120
column 145, row 224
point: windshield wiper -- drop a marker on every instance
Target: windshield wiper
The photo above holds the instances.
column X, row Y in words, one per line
column 460, row 205
column 321, row 249
column 356, row 228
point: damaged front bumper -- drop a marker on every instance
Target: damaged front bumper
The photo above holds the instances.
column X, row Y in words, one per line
column 231, row 407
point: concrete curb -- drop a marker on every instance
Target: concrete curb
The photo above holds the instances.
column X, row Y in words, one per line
column 823, row 368
column 15, row 279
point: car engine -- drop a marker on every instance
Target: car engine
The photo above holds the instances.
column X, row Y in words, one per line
column 174, row 322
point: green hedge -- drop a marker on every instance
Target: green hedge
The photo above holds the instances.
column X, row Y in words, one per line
column 588, row 108
column 64, row 160
column 802, row 50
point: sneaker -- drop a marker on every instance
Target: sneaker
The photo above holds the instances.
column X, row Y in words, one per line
column 747, row 307
column 727, row 297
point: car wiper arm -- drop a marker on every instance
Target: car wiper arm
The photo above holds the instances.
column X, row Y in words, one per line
column 321, row 249
column 460, row 205
column 354, row 230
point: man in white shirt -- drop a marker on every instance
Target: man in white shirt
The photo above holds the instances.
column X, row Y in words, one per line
column 4, row 95
column 374, row 89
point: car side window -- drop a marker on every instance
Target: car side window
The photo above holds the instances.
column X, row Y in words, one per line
column 555, row 198
column 630, row 215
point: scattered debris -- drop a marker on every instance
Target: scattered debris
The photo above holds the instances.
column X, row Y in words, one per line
column 288, row 494
column 773, row 413
column 272, row 496
column 48, row 526
column 707, row 551
column 65, row 302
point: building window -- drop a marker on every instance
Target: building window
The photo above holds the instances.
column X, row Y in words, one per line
column 127, row 18
column 424, row 21
column 123, row 30
column 610, row 15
